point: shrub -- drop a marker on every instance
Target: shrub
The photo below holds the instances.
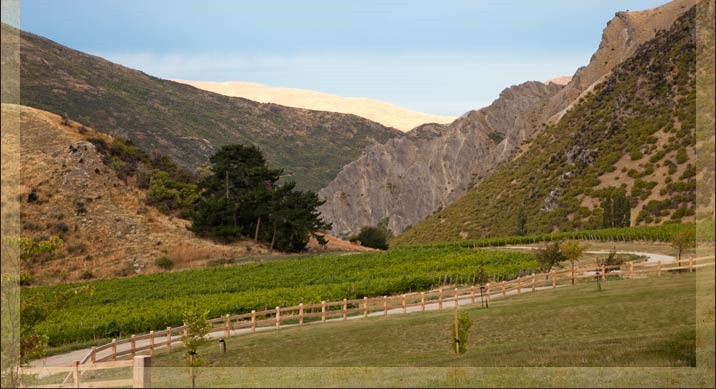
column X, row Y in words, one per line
column 636, row 155
column 164, row 263
column 374, row 237
column 87, row 275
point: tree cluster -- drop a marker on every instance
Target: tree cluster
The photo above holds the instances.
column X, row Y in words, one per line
column 242, row 197
column 617, row 210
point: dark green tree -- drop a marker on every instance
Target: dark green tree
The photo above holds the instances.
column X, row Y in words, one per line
column 374, row 237
column 617, row 210
column 607, row 207
column 241, row 197
column 293, row 217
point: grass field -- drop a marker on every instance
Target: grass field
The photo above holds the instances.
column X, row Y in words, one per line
column 634, row 332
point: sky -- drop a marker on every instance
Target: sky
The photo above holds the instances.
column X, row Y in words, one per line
column 441, row 57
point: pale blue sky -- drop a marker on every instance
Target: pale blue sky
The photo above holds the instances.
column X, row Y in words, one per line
column 441, row 57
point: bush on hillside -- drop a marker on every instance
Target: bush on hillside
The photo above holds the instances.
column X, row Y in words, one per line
column 374, row 237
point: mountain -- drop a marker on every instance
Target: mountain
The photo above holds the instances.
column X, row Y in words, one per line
column 408, row 178
column 632, row 133
column 386, row 114
column 65, row 189
column 186, row 123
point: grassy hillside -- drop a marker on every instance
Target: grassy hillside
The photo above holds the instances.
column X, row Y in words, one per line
column 184, row 122
column 647, row 323
column 124, row 306
column 634, row 133
column 107, row 222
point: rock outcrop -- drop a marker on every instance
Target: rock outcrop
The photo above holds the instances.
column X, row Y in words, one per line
column 407, row 178
column 410, row 177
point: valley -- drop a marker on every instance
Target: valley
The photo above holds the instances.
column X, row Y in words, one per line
column 235, row 234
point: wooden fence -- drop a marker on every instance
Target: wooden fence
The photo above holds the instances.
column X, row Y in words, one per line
column 141, row 377
column 342, row 310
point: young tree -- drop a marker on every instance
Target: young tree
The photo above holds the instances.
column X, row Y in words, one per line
column 195, row 336
column 682, row 241
column 549, row 256
column 521, row 223
column 609, row 260
column 572, row 250
column 460, row 330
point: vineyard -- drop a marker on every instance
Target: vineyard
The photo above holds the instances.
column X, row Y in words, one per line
column 123, row 306
column 662, row 233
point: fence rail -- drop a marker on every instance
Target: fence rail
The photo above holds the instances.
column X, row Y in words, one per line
column 363, row 307
column 140, row 365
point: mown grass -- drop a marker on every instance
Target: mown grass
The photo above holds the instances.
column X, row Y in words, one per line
column 656, row 332
column 632, row 333
column 646, row 322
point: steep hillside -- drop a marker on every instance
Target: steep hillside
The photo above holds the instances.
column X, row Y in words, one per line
column 184, row 122
column 377, row 111
column 408, row 178
column 65, row 189
column 634, row 133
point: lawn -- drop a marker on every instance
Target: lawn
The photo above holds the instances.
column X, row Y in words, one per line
column 634, row 332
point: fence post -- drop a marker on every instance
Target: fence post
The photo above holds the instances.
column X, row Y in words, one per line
column 151, row 342
column 141, row 372
column 404, row 307
column 76, row 374
column 440, row 299
column 169, row 339
column 457, row 300
column 114, row 349
column 300, row 314
column 533, row 281
column 253, row 321
column 604, row 272
column 323, row 311
column 472, row 294
column 503, row 289
column 345, row 308
column 572, row 276
column 691, row 264
column 554, row 281
column 422, row 301
column 519, row 285
column 186, row 332
column 385, row 305
column 631, row 269
column 278, row 317
column 94, row 354
column 365, row 306
column 227, row 326
column 658, row 269
column 488, row 293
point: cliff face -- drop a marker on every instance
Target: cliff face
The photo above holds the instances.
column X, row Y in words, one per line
column 410, row 177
